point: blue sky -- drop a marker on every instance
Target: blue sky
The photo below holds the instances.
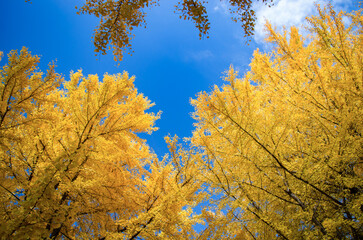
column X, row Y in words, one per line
column 170, row 63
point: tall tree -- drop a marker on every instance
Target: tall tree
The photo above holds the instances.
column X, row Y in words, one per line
column 72, row 165
column 118, row 18
column 283, row 147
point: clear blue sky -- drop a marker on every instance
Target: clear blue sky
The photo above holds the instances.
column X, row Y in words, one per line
column 170, row 63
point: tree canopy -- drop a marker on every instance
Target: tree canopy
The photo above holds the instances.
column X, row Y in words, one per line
column 283, row 146
column 72, row 165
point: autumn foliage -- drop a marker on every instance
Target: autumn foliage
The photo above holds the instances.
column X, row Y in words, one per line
column 276, row 154
column 283, row 146
column 72, row 164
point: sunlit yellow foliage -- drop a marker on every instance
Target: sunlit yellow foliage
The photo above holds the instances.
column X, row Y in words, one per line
column 283, row 146
column 72, row 165
column 118, row 18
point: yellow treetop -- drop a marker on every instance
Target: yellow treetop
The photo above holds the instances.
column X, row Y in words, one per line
column 283, row 146
column 72, row 165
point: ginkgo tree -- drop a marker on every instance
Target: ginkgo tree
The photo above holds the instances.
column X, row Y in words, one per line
column 72, row 164
column 283, row 147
